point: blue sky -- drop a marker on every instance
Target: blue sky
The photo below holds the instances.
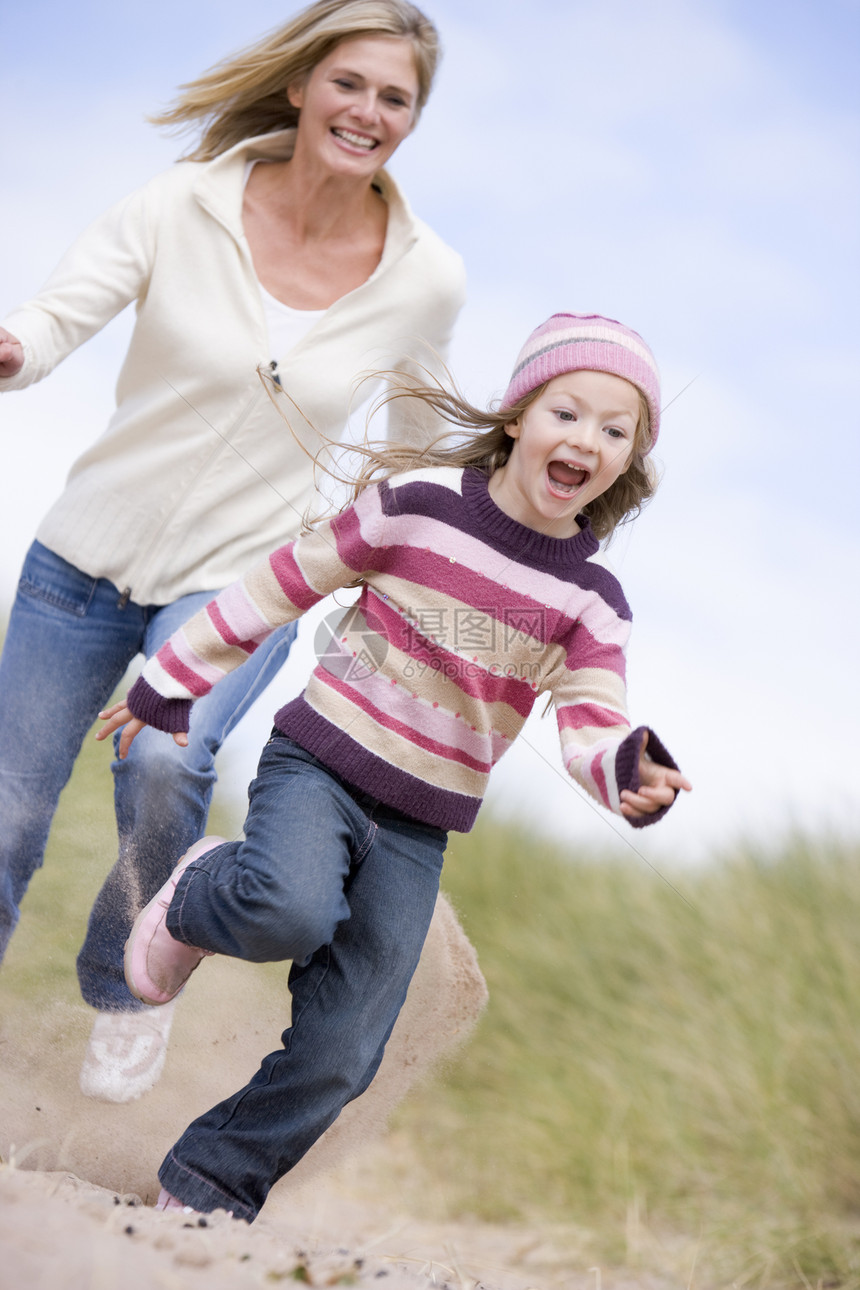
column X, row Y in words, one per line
column 689, row 167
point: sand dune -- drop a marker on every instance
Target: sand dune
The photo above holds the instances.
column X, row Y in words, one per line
column 60, row 1233
column 78, row 1177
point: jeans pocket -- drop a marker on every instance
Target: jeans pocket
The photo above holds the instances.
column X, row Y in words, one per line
column 49, row 578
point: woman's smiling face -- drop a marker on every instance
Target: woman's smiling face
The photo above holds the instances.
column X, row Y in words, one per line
column 570, row 445
column 358, row 104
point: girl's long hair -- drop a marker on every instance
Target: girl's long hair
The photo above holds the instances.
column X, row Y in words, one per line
column 246, row 95
column 479, row 439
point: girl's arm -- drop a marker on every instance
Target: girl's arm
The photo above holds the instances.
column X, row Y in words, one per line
column 222, row 635
column 628, row 771
column 609, row 761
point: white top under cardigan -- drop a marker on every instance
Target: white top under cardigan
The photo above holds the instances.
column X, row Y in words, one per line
column 197, row 475
column 285, row 325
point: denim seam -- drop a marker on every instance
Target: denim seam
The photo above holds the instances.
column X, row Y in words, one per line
column 295, row 1019
column 34, row 591
column 189, row 873
column 369, row 839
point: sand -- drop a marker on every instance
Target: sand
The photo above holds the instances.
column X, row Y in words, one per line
column 78, row 1178
column 230, row 1016
column 58, row 1232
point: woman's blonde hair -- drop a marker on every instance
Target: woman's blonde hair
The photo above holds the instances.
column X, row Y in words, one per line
column 246, row 95
column 481, row 440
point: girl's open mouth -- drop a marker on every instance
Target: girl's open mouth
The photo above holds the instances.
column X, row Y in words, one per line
column 565, row 477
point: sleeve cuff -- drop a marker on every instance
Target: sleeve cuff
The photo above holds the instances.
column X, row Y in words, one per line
column 170, row 715
column 627, row 768
column 29, row 372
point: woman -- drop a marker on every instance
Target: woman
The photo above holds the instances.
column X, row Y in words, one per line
column 280, row 246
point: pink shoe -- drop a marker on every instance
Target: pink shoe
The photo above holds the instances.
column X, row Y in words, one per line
column 166, row 1201
column 156, row 964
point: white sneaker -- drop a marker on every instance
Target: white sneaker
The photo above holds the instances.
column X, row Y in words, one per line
column 125, row 1053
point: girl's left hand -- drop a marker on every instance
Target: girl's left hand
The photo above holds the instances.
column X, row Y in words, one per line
column 120, row 715
column 658, row 786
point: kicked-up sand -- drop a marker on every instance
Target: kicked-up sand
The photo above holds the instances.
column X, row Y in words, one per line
column 78, row 1177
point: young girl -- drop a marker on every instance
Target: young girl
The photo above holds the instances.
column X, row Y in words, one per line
column 480, row 591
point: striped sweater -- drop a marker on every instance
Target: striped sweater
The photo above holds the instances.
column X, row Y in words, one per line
column 465, row 618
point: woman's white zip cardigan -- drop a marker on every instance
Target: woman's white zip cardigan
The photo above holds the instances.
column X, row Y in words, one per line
column 197, row 475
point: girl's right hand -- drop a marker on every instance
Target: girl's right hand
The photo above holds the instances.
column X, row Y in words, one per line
column 11, row 353
column 121, row 715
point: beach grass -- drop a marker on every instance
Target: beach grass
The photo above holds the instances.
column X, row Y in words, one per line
column 661, row 1054
column 670, row 1062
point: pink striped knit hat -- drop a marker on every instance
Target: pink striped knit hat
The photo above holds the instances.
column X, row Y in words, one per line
column 586, row 342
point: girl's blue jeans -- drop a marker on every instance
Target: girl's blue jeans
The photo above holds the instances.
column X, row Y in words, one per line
column 68, row 644
column 345, row 887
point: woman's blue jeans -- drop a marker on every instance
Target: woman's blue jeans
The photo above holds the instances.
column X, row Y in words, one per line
column 68, row 644
column 345, row 887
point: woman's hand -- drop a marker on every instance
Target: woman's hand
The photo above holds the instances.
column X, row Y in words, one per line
column 121, row 715
column 11, row 353
column 658, row 786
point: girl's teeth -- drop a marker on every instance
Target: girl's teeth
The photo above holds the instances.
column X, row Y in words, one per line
column 566, row 477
